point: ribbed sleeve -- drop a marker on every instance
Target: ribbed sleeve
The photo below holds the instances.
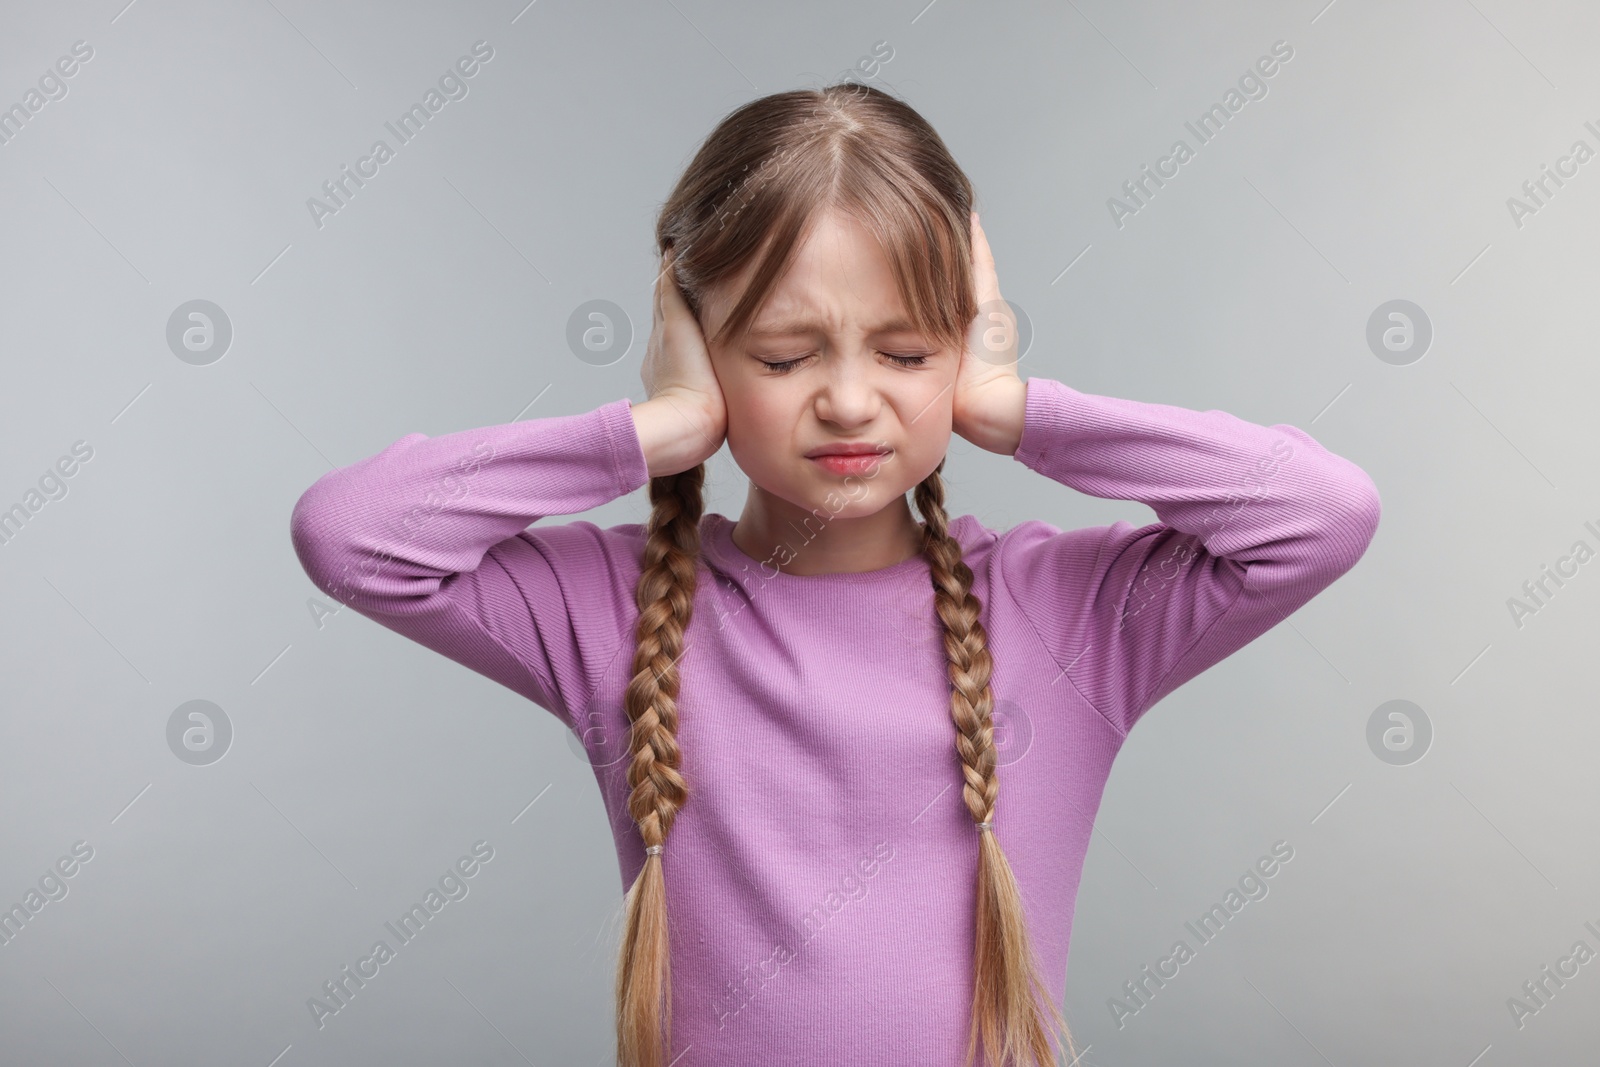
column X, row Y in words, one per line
column 428, row 538
column 1254, row 522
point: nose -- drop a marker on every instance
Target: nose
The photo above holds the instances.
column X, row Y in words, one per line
column 848, row 396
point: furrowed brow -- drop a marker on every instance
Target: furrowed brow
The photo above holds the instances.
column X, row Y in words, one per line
column 807, row 328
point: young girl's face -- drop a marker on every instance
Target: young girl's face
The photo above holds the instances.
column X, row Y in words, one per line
column 832, row 358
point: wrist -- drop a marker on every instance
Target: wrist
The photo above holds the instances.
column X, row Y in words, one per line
column 995, row 423
column 673, row 434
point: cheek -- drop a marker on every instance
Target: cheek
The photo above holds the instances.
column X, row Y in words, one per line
column 927, row 440
column 925, row 450
column 931, row 404
column 761, row 419
column 756, row 407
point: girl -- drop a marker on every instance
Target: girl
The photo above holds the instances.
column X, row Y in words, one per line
column 776, row 695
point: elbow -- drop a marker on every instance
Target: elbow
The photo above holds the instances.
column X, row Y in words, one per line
column 1366, row 508
column 335, row 535
column 1351, row 513
column 315, row 534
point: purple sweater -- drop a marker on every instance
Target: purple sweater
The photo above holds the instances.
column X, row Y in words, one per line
column 821, row 876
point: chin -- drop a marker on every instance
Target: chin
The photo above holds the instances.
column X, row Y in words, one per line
column 860, row 496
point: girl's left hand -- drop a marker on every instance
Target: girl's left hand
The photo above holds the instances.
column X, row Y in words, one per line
column 990, row 396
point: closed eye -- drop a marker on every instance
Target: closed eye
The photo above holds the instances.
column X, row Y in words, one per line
column 902, row 359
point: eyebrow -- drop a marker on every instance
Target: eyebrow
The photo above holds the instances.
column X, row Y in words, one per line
column 806, row 327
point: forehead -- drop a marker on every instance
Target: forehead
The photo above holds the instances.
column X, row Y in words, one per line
column 839, row 276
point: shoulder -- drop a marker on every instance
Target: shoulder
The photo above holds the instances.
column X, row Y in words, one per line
column 1022, row 541
column 1000, row 546
column 984, row 547
column 1034, row 556
column 976, row 538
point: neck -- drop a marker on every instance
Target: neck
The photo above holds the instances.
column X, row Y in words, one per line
column 824, row 543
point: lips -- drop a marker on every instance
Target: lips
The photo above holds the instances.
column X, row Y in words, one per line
column 850, row 462
column 847, row 450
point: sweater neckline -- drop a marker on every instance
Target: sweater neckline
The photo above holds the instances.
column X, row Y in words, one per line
column 721, row 546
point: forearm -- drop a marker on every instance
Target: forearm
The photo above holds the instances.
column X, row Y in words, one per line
column 393, row 526
column 1250, row 492
column 1254, row 522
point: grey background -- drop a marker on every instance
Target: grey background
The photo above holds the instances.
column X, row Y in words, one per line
column 220, row 897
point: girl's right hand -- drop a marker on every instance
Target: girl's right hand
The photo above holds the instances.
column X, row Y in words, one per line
column 685, row 419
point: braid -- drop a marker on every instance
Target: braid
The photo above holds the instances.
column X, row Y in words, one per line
column 665, row 596
column 1009, row 1001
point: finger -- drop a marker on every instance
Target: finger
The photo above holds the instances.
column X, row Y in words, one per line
column 655, row 295
column 672, row 301
column 985, row 280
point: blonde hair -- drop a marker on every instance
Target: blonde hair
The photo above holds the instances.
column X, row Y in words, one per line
column 766, row 171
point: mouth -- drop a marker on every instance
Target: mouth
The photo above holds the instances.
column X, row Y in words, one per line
column 850, row 459
column 850, row 448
